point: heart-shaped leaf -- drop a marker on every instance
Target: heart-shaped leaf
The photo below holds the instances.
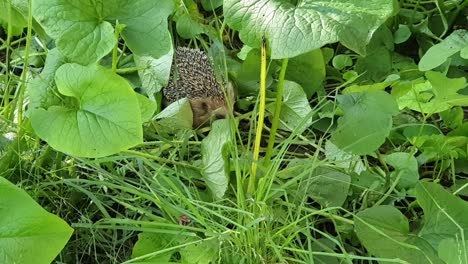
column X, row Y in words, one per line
column 296, row 29
column 101, row 117
column 28, row 233
column 83, row 31
column 214, row 160
column 366, row 122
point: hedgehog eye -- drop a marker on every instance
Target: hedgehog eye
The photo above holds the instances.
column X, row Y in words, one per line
column 219, row 116
column 204, row 106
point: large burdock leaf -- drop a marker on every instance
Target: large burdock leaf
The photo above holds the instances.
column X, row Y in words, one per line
column 439, row 53
column 28, row 233
column 101, row 115
column 366, row 122
column 445, row 215
column 83, row 30
column 77, row 27
column 214, row 159
column 384, row 232
column 296, row 29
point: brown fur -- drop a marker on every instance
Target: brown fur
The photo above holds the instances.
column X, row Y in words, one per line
column 192, row 76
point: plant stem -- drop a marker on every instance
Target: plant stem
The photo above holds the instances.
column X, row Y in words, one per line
column 275, row 123
column 261, row 116
column 115, row 58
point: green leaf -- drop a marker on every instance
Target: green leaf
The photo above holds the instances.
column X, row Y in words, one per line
column 102, row 116
column 308, row 70
column 146, row 29
column 188, row 28
column 149, row 242
column 453, row 251
column 248, row 77
column 296, row 29
column 402, row 34
column 437, row 94
column 18, row 20
column 42, row 90
column 342, row 61
column 453, row 118
column 295, row 108
column 210, row 5
column 203, row 252
column 157, row 72
column 366, row 122
column 406, row 168
column 439, row 53
column 80, row 33
column 28, row 233
column 213, row 149
column 176, row 116
column 343, row 159
column 85, row 34
column 327, row 187
column 147, row 107
column 445, row 215
column 384, row 232
column 370, row 87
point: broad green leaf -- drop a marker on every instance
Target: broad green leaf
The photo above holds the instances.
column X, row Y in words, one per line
column 453, row 251
column 343, row 159
column 308, row 70
column 248, row 77
column 146, row 29
column 384, row 232
column 151, row 243
column 213, row 149
column 147, row 107
column 327, row 187
column 441, row 146
column 203, row 252
column 42, row 90
column 157, row 72
column 292, row 30
column 342, row 61
column 210, row 5
column 453, row 118
column 406, row 168
column 439, row 53
column 402, row 34
column 366, row 122
column 188, row 28
column 295, row 108
column 16, row 13
column 102, row 116
column 28, row 233
column 437, row 94
column 445, row 215
column 85, row 34
column 377, row 64
column 176, row 116
column 80, row 33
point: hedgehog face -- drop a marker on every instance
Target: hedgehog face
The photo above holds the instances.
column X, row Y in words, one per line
column 208, row 109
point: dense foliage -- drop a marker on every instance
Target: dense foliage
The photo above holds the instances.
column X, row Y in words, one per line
column 348, row 142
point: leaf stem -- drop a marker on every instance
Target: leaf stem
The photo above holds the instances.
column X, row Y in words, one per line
column 261, row 116
column 275, row 123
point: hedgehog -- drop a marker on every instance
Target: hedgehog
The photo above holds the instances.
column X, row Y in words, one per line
column 192, row 76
